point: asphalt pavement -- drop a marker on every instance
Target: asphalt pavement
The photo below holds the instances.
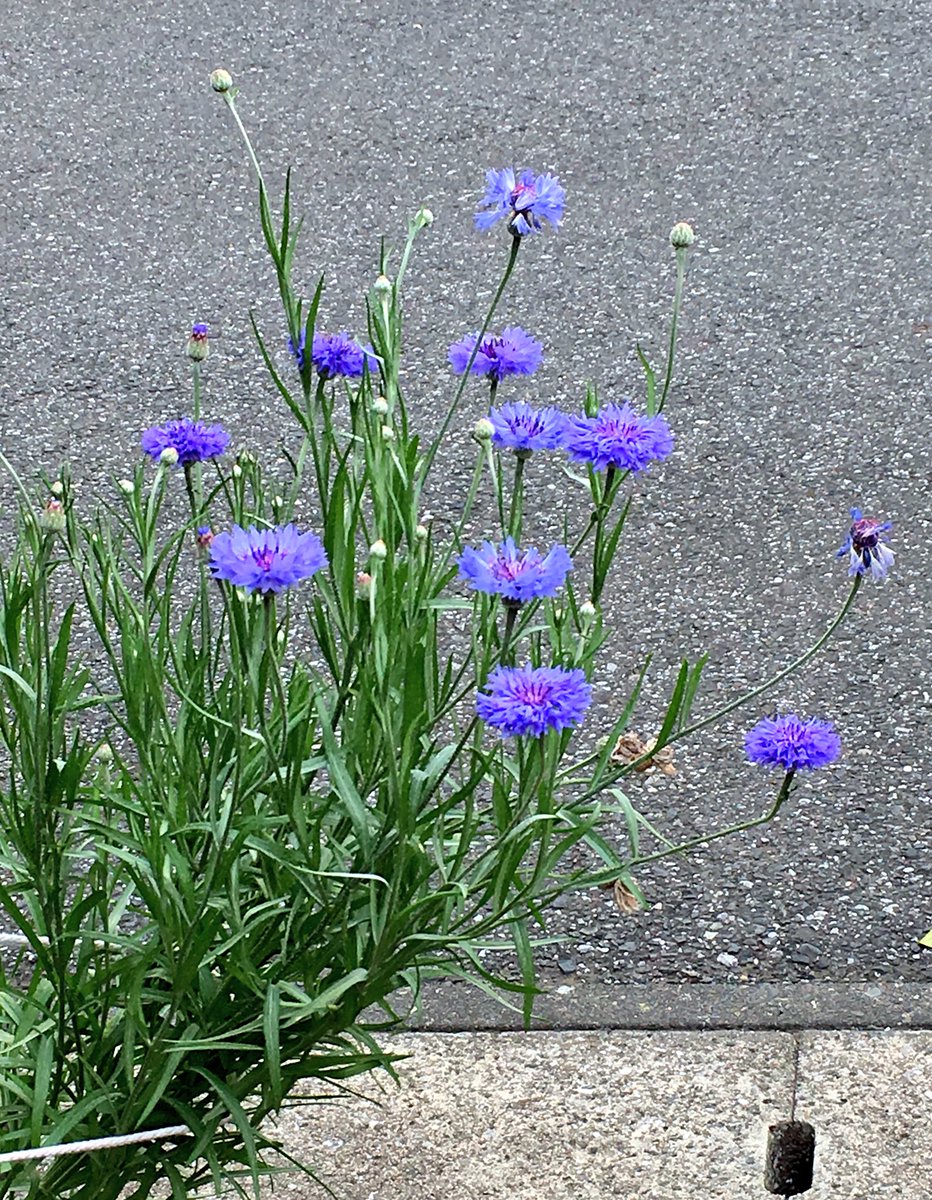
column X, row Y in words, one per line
column 796, row 139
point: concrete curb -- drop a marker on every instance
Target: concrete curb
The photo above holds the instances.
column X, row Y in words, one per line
column 452, row 1007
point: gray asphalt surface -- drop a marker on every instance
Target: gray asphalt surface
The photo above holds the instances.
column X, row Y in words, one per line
column 795, row 137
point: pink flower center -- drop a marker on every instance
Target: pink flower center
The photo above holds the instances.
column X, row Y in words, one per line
column 523, row 196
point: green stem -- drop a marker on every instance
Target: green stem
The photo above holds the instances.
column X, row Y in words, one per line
column 677, row 297
column 196, row 382
column 511, row 613
column 231, row 103
column 704, row 839
column 464, row 378
column 730, row 707
column 515, row 513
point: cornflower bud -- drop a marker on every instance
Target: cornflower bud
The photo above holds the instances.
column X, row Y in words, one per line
column 421, row 533
column 587, row 611
column 220, row 80
column 105, row 753
column 483, row 430
column 363, row 585
column 383, row 287
column 204, row 537
column 197, row 348
column 126, row 486
column 378, row 550
column 424, row 217
column 237, row 471
column 380, row 406
column 57, row 488
column 169, row 457
column 388, row 434
column 682, row 236
column 52, row 517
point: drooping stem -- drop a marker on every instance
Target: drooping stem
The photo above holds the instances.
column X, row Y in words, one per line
column 705, row 838
column 730, row 707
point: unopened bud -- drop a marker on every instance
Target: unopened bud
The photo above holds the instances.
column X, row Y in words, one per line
column 380, row 406
column 587, row 611
column 421, row 532
column 424, row 217
column 126, row 486
column 204, row 537
column 383, row 286
column 388, row 434
column 237, row 471
column 53, row 517
column 105, row 753
column 281, row 637
column 278, row 502
column 681, row 235
column 363, row 585
column 57, row 488
column 220, row 80
column 197, row 348
column 169, row 457
column 483, row 430
column 558, row 613
column 378, row 550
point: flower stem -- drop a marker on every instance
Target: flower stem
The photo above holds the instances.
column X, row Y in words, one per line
column 516, row 513
column 511, row 612
column 703, row 839
column 461, row 386
column 677, row 298
column 196, row 381
column 675, row 736
column 231, row 103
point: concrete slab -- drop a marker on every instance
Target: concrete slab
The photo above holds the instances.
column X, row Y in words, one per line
column 869, row 1096
column 509, row 1116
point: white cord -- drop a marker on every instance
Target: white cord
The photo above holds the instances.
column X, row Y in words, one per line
column 102, row 1143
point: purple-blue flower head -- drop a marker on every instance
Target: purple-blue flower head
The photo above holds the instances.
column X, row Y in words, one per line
column 526, row 200
column 866, row 546
column 193, row 440
column 265, row 560
column 532, row 700
column 617, row 437
column 793, row 743
column 518, row 575
column 334, row 354
column 522, row 428
column 513, row 352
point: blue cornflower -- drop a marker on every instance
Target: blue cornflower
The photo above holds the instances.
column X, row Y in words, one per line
column 521, row 427
column 513, row 352
column 193, row 440
column 518, row 575
column 526, row 200
column 334, row 354
column 265, row 560
column 793, row 743
column 532, row 700
column 866, row 546
column 618, row 437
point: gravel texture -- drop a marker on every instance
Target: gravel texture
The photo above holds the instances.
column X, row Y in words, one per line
column 794, row 136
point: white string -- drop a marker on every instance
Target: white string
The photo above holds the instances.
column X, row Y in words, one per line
column 101, row 1143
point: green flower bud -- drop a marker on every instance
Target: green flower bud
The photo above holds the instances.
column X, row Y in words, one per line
column 682, row 236
column 220, row 80
column 378, row 550
column 169, row 457
column 127, row 487
column 483, row 430
column 52, row 517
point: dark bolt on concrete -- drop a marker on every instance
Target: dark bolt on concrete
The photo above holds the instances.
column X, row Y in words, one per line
column 794, row 137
